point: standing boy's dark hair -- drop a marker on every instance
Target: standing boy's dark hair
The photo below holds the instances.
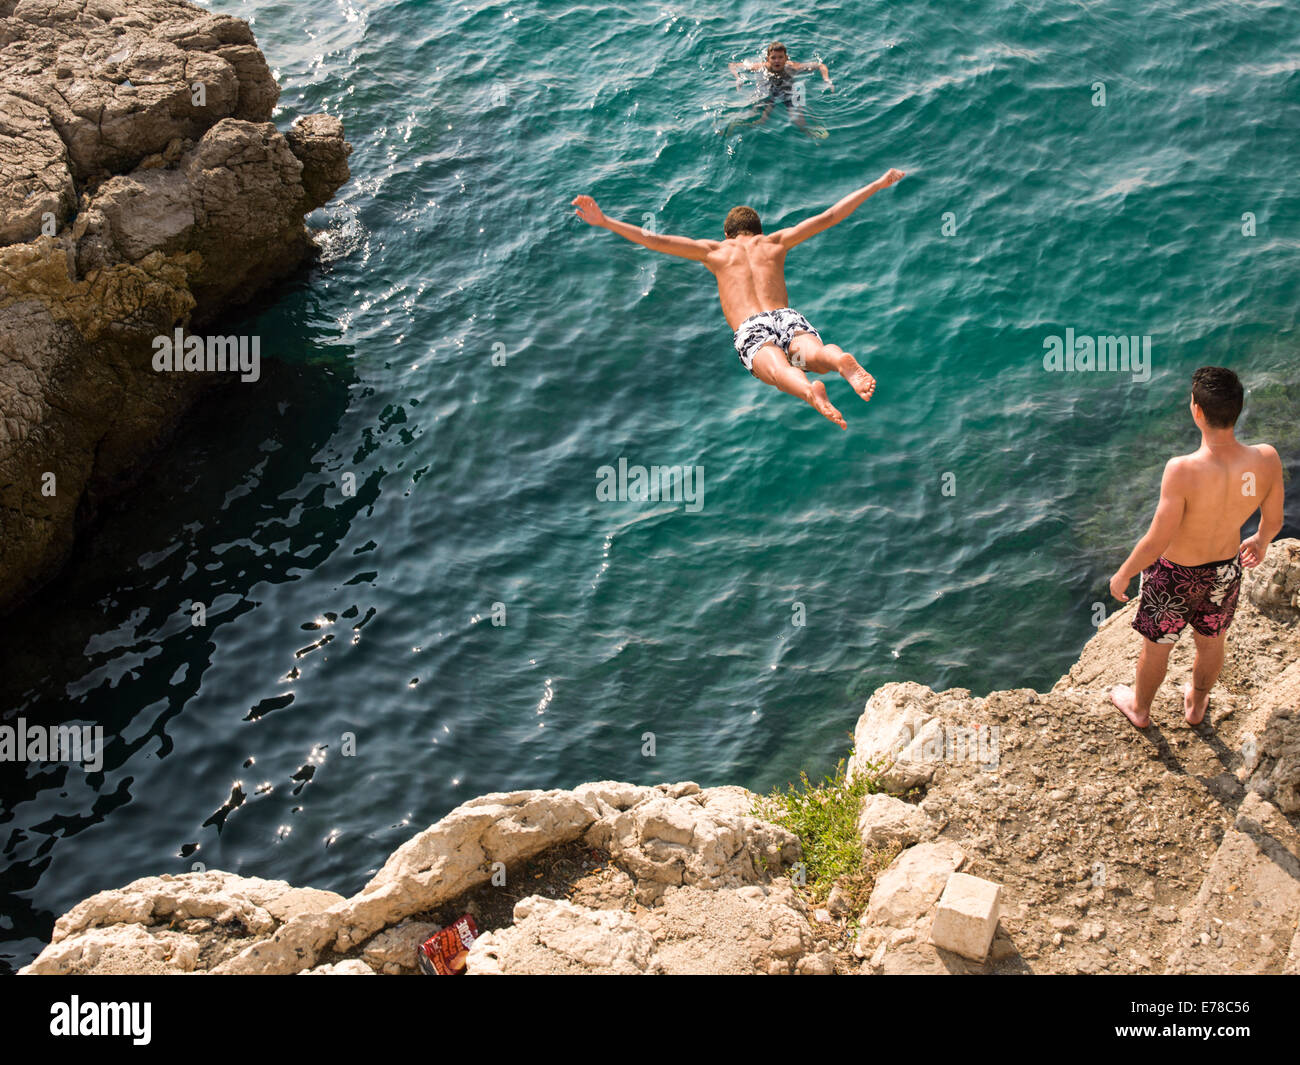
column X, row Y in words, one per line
column 1218, row 392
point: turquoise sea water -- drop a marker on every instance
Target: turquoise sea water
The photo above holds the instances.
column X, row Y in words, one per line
column 474, row 126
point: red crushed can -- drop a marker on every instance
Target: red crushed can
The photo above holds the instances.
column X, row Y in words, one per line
column 444, row 953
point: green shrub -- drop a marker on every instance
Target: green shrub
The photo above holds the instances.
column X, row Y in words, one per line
column 825, row 818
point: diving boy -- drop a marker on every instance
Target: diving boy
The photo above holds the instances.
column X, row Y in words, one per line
column 775, row 343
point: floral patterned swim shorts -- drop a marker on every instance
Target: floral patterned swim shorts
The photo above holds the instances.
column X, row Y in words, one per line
column 1175, row 596
column 777, row 327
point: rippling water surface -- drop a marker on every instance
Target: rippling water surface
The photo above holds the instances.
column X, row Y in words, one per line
column 335, row 619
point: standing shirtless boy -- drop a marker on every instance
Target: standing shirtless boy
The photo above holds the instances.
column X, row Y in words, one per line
column 1190, row 559
column 775, row 342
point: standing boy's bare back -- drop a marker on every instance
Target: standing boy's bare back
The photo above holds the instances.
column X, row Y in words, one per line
column 1220, row 489
column 1191, row 557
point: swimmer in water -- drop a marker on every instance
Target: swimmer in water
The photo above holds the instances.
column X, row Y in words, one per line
column 773, row 341
column 778, row 81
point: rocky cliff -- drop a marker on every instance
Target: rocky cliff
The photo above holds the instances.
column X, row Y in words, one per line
column 142, row 188
column 1172, row 849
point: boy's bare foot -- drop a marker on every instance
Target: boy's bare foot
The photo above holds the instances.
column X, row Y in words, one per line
column 1195, row 714
column 861, row 382
column 1126, row 699
column 817, row 397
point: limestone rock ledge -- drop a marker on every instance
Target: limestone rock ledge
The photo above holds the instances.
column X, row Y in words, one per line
column 142, row 188
column 691, row 851
column 1170, row 849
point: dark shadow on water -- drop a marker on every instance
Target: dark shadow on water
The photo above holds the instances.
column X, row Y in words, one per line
column 111, row 638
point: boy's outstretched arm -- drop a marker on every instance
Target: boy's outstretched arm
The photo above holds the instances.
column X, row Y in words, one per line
column 684, row 247
column 826, row 77
column 1168, row 516
column 736, row 68
column 1254, row 548
column 810, row 227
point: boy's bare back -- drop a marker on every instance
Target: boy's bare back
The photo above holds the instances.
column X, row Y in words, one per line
column 750, row 271
column 1221, row 489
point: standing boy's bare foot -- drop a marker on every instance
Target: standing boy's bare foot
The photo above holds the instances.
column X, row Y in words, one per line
column 817, row 397
column 1125, row 698
column 861, row 382
column 1194, row 713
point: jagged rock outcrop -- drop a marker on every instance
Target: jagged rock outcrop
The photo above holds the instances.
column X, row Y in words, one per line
column 555, row 937
column 712, row 843
column 392, row 951
column 1169, row 849
column 895, row 930
column 1275, row 582
column 1162, row 850
column 142, row 188
column 1243, row 918
column 700, row 854
column 1273, row 760
column 755, row 929
column 885, row 820
column 173, row 923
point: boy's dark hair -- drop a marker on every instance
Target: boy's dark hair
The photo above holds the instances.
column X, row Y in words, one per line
column 741, row 220
column 1218, row 392
column 776, row 46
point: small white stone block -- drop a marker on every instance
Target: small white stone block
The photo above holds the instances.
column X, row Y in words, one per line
column 967, row 916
